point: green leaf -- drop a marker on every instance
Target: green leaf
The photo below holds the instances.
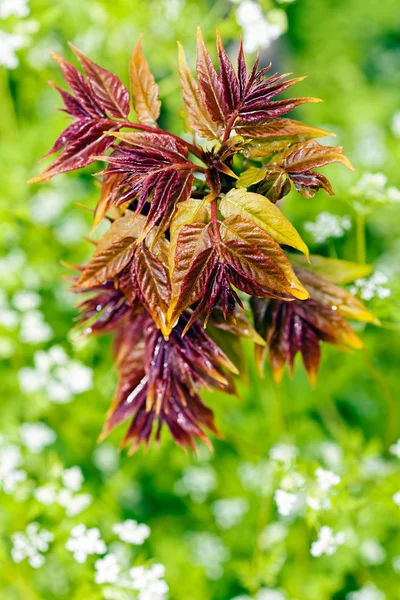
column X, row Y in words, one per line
column 336, row 270
column 265, row 214
column 251, row 176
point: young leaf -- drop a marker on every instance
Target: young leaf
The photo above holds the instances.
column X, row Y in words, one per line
column 210, row 83
column 143, row 88
column 108, row 89
column 152, row 280
column 199, row 118
column 229, row 80
column 108, row 262
column 237, row 228
column 251, row 176
column 293, row 131
column 305, row 156
column 187, row 212
column 335, row 270
column 264, row 214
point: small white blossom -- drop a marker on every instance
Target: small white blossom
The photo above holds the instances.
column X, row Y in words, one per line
column 107, row 569
column 132, row 532
column 287, row 503
column 367, row 592
column 46, row 494
column 34, row 329
column 270, row 594
column 284, row 453
column 9, row 44
column 372, row 287
column 395, row 449
column 396, row 498
column 210, row 553
column 327, row 542
column 197, row 482
column 106, row 458
column 72, row 478
column 17, row 8
column 74, row 504
column 371, row 188
column 396, row 124
column 84, row 541
column 8, row 318
column 372, row 552
column 31, row 544
column 10, row 474
column 26, row 300
column 57, row 375
column 396, row 563
column 149, row 582
column 327, row 226
column 259, row 30
column 229, row 512
column 326, row 479
column 36, row 436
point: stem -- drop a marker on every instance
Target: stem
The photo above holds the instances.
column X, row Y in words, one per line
column 214, row 218
column 191, row 147
column 361, row 241
column 229, row 126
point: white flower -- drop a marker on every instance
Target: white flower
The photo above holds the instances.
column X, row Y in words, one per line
column 74, row 504
column 46, row 494
column 17, row 8
column 326, row 479
column 395, row 449
column 36, row 436
column 283, row 453
column 269, row 594
column 26, row 300
column 34, row 329
column 8, row 318
column 197, row 482
column 210, row 553
column 229, row 512
column 149, row 582
column 10, row 474
column 327, row 542
column 9, row 44
column 84, row 542
column 107, row 569
column 106, row 458
column 286, row 502
column 372, row 552
column 258, row 30
column 367, row 592
column 327, row 226
column 31, row 544
column 132, row 532
column 72, row 478
column 371, row 187
column 396, row 124
column 396, row 498
column 372, row 287
column 60, row 377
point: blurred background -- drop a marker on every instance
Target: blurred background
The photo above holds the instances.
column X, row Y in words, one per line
column 301, row 498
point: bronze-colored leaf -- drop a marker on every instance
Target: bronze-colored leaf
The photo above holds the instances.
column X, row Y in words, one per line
column 153, row 282
column 242, row 229
column 107, row 262
column 210, row 84
column 199, row 118
column 143, row 88
column 187, row 212
column 293, row 131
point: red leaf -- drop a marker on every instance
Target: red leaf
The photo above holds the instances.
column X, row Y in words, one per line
column 210, row 83
column 108, row 89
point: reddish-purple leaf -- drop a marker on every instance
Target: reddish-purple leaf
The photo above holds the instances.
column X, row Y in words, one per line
column 108, row 89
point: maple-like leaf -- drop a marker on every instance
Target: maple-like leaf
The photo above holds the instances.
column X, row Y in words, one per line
column 144, row 88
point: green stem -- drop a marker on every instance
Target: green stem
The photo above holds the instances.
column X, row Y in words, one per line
column 361, row 241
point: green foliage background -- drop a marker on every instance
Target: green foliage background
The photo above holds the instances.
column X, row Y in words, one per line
column 350, row 51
